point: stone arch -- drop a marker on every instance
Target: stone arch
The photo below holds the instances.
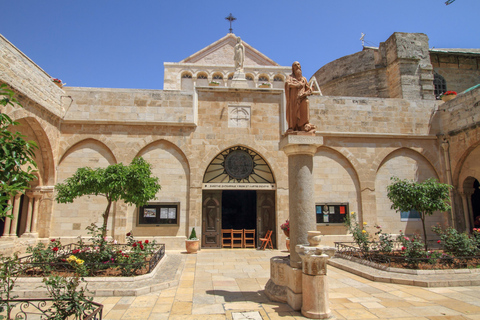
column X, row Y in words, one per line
column 70, row 220
column 336, row 180
column 101, row 146
column 171, row 166
column 263, row 77
column 213, row 152
column 259, row 172
column 457, row 171
column 186, row 81
column 426, row 154
column 44, row 154
column 403, row 163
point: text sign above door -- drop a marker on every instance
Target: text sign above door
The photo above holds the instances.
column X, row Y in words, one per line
column 239, row 186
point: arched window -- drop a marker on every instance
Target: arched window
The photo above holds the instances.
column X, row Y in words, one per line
column 440, row 85
column 263, row 78
column 202, row 76
column 278, row 78
column 230, row 76
column 187, row 81
column 217, row 76
column 249, row 77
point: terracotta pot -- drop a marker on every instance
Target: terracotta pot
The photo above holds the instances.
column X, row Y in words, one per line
column 287, row 233
column 59, row 84
column 288, row 244
column 448, row 97
column 192, row 245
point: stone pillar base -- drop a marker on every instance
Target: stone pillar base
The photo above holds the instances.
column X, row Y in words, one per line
column 285, row 284
column 29, row 235
column 239, row 80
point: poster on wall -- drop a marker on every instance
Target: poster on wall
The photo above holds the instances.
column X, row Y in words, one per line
column 149, row 212
column 325, row 218
column 172, row 213
column 331, row 209
column 342, row 210
column 163, row 213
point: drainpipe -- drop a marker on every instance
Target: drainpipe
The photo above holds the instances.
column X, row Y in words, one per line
column 446, row 154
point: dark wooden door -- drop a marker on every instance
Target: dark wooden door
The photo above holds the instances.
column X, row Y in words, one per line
column 211, row 219
column 266, row 214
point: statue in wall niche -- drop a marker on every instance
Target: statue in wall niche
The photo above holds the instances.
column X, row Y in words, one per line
column 296, row 92
column 239, row 55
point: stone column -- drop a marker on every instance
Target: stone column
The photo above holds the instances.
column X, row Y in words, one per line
column 300, row 149
column 8, row 223
column 28, row 226
column 36, row 203
column 16, row 213
column 314, row 281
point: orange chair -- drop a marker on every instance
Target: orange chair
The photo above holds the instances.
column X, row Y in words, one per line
column 249, row 238
column 237, row 238
column 267, row 240
column 227, row 238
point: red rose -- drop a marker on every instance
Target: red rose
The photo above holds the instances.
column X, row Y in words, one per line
column 129, row 234
column 403, row 248
column 146, row 241
column 55, row 249
column 439, row 241
column 140, row 242
column 134, row 245
column 52, row 240
column 141, row 246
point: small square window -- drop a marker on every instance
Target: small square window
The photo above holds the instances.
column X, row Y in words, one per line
column 411, row 215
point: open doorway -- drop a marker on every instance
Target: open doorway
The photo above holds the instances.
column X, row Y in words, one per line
column 239, row 209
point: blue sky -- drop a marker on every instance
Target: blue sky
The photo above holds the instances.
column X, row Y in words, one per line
column 123, row 44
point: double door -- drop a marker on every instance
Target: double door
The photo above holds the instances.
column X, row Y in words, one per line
column 212, row 216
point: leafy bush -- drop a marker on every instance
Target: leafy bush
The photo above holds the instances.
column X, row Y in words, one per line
column 8, row 275
column 360, row 235
column 456, row 243
column 385, row 241
column 68, row 300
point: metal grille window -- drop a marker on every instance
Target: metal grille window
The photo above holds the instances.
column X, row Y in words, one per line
column 331, row 212
column 440, row 85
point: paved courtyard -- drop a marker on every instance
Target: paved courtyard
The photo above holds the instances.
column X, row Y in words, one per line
column 228, row 284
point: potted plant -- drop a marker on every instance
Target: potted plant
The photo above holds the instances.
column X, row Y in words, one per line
column 265, row 85
column 192, row 243
column 449, row 95
column 214, row 83
column 286, row 228
column 58, row 82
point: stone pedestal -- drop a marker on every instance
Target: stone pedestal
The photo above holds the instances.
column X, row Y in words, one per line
column 300, row 149
column 314, row 281
column 239, row 80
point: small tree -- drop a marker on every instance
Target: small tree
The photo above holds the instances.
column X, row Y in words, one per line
column 17, row 164
column 132, row 184
column 425, row 197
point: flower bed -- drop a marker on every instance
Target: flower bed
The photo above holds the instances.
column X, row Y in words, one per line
column 436, row 259
column 99, row 258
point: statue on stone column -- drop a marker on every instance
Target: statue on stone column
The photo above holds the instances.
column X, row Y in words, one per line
column 296, row 92
column 239, row 56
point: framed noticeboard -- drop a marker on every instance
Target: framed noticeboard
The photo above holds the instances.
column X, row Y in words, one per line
column 331, row 212
column 159, row 214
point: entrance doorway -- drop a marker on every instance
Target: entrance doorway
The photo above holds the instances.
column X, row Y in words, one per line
column 476, row 204
column 237, row 209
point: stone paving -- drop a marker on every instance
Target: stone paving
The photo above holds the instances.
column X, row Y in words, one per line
column 228, row 284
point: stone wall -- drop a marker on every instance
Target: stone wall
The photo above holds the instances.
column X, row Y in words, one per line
column 460, row 71
column 371, row 115
column 23, row 75
column 129, row 106
column 399, row 68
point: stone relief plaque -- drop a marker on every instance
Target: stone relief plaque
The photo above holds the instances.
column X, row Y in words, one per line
column 239, row 117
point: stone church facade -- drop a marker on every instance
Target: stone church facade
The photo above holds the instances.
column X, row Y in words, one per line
column 216, row 149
